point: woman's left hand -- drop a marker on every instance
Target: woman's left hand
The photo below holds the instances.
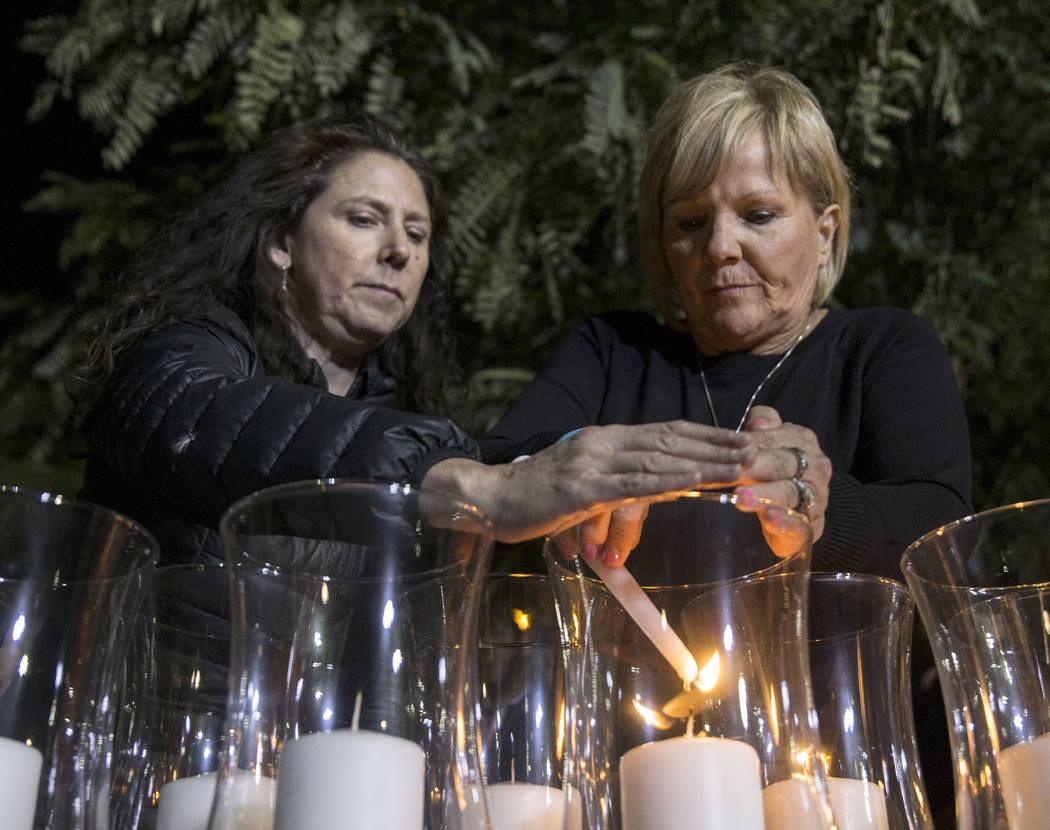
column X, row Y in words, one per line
column 777, row 475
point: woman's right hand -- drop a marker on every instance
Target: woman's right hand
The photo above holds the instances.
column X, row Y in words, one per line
column 596, row 465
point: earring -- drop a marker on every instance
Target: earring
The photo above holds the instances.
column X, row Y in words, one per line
column 284, row 279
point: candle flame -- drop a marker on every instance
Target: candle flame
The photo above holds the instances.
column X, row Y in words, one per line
column 521, row 619
column 651, row 716
column 708, row 674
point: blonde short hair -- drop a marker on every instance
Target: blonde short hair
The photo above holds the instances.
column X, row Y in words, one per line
column 703, row 125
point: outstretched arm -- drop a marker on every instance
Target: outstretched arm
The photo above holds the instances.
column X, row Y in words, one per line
column 598, row 464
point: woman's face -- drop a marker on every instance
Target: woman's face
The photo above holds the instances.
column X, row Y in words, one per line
column 358, row 257
column 744, row 255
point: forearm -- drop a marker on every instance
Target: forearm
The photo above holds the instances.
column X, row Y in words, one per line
column 868, row 526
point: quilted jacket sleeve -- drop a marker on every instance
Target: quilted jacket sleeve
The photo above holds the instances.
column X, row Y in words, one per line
column 189, row 417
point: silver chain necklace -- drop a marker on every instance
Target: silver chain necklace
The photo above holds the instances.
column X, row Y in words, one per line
column 779, row 363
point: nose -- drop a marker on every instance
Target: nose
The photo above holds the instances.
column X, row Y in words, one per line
column 722, row 246
column 395, row 248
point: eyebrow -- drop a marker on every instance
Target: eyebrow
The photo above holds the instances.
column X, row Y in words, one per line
column 757, row 193
column 381, row 206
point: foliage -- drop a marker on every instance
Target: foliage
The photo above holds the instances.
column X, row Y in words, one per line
column 535, row 117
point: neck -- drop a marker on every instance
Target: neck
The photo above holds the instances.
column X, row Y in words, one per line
column 339, row 378
column 339, row 370
column 779, row 344
column 811, row 321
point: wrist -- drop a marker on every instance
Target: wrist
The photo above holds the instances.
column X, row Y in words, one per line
column 468, row 481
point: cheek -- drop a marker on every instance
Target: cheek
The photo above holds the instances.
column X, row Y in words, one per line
column 677, row 252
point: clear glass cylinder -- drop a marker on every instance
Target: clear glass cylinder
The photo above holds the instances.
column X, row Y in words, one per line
column 982, row 587
column 179, row 690
column 520, row 700
column 72, row 579
column 859, row 657
column 350, row 603
column 689, row 684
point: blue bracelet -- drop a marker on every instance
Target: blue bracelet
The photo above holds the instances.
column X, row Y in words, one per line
column 568, row 434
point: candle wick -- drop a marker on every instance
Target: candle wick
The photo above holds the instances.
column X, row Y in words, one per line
column 690, row 724
column 511, row 770
column 356, row 719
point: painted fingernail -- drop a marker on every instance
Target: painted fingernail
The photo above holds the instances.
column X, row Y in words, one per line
column 612, row 558
column 590, row 552
column 757, row 423
column 746, row 496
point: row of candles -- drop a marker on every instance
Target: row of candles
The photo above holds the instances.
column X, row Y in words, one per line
column 723, row 750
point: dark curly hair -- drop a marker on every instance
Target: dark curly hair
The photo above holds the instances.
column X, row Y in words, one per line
column 217, row 252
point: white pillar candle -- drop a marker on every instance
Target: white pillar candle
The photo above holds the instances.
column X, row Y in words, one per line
column 350, row 778
column 856, row 805
column 20, row 766
column 520, row 806
column 689, row 782
column 1024, row 774
column 185, row 804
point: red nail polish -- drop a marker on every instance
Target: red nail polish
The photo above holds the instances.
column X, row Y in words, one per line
column 590, row 552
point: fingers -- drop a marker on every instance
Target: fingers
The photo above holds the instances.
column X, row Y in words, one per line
column 785, row 535
column 790, row 469
column 685, row 439
column 585, row 538
column 762, row 417
column 610, row 535
column 653, row 458
column 624, row 531
column 596, row 465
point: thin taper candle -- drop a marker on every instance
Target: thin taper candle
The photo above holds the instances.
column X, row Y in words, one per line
column 650, row 619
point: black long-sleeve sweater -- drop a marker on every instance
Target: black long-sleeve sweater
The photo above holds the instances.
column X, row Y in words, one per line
column 876, row 386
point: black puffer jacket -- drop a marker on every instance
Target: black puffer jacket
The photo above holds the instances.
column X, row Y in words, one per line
column 188, row 423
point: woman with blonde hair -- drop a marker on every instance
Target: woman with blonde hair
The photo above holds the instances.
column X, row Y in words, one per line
column 744, row 214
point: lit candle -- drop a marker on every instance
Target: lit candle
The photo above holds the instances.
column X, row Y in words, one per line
column 688, row 782
column 520, row 806
column 648, row 617
column 185, row 803
column 350, row 778
column 1024, row 771
column 691, row 781
column 856, row 805
column 20, row 766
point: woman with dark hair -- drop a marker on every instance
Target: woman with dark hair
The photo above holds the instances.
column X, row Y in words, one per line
column 294, row 325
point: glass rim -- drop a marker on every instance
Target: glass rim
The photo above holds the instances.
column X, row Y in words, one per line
column 342, row 485
column 896, row 592
column 148, row 547
column 711, row 496
column 245, row 562
column 858, row 577
column 907, row 560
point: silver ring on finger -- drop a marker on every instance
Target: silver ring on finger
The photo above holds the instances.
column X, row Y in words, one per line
column 803, row 462
column 806, row 496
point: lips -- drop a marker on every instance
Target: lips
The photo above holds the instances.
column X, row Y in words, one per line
column 388, row 289
column 728, row 289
